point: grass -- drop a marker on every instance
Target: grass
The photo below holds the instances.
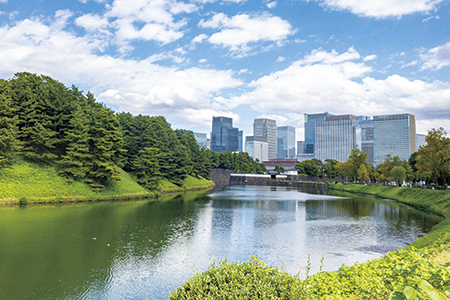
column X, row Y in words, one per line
column 27, row 182
column 190, row 183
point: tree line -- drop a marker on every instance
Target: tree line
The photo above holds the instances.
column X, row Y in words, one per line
column 43, row 120
column 431, row 163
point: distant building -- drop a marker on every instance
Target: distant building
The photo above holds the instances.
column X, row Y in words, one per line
column 420, row 140
column 305, row 156
column 267, row 128
column 394, row 135
column 300, row 147
column 224, row 136
column 287, row 164
column 310, row 125
column 285, row 142
column 257, row 148
column 336, row 136
column 201, row 138
column 366, row 124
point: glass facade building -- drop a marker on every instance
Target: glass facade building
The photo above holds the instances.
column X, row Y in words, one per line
column 394, row 135
column 224, row 136
column 267, row 128
column 310, row 124
column 366, row 124
column 257, row 148
column 285, row 142
column 336, row 136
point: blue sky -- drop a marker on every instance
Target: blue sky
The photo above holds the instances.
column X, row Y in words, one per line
column 191, row 60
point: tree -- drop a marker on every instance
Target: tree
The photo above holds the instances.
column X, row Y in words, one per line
column 310, row 167
column 9, row 131
column 355, row 160
column 363, row 175
column 147, row 168
column 433, row 159
column 76, row 163
column 398, row 174
column 279, row 169
column 329, row 168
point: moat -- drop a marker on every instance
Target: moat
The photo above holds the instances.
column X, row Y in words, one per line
column 145, row 249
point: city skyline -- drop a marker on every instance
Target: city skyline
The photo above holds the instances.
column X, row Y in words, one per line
column 190, row 60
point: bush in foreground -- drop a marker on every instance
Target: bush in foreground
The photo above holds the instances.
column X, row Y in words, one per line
column 248, row 280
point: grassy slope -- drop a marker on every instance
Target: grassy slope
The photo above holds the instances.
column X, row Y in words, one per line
column 40, row 183
column 189, row 183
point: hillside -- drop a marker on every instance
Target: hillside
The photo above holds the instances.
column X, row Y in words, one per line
column 29, row 182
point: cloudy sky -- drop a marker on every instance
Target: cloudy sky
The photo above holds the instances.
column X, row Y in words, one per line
column 191, row 60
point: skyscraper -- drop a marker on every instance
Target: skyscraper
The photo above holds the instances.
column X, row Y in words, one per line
column 267, row 128
column 394, row 135
column 336, row 136
column 257, row 148
column 285, row 142
column 224, row 136
column 366, row 124
column 310, row 124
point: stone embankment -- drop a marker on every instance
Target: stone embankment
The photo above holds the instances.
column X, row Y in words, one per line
column 224, row 178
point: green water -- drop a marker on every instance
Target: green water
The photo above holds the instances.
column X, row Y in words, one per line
column 143, row 249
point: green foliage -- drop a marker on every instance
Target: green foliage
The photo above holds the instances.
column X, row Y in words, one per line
column 433, row 159
column 311, row 167
column 147, row 168
column 363, row 175
column 248, row 280
column 397, row 174
column 354, row 162
column 279, row 169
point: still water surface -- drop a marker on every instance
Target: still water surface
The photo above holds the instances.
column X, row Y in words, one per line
column 144, row 249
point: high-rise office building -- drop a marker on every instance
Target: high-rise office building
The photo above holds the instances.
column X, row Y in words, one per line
column 200, row 138
column 300, row 147
column 267, row 128
column 257, row 148
column 310, row 124
column 366, row 124
column 285, row 142
column 224, row 136
column 336, row 136
column 420, row 140
column 394, row 135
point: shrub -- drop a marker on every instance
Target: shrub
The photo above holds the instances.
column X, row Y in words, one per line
column 248, row 280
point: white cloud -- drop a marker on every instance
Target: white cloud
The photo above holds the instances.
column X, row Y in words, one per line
column 339, row 83
column 436, row 58
column 241, row 30
column 147, row 20
column 272, row 4
column 92, row 22
column 281, row 58
column 370, row 57
column 137, row 86
column 382, row 8
column 4, row 1
column 199, row 38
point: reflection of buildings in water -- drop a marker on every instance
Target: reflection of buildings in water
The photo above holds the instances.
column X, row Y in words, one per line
column 271, row 212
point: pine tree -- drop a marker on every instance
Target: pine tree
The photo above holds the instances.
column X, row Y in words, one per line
column 105, row 145
column 9, row 142
column 77, row 162
column 147, row 167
